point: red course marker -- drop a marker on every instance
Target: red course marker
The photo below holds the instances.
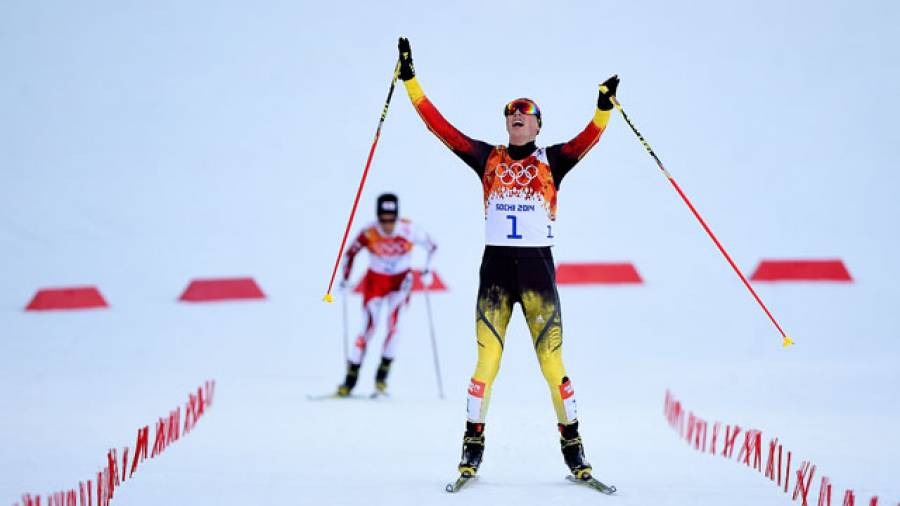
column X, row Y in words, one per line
column 436, row 286
column 597, row 273
column 76, row 297
column 802, row 270
column 211, row 290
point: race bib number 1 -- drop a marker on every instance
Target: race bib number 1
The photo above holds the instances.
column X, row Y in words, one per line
column 518, row 222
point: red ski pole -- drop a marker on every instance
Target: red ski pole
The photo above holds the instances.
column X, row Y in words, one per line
column 328, row 297
column 786, row 341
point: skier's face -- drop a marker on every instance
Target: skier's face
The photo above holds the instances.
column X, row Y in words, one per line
column 387, row 222
column 522, row 128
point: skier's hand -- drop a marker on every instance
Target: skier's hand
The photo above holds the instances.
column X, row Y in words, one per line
column 607, row 90
column 407, row 285
column 344, row 285
column 407, row 71
column 427, row 278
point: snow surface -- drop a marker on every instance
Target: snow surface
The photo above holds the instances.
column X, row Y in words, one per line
column 146, row 144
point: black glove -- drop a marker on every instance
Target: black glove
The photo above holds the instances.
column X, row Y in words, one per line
column 407, row 71
column 607, row 89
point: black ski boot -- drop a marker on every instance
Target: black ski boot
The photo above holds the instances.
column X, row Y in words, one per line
column 381, row 376
column 472, row 449
column 573, row 451
column 349, row 381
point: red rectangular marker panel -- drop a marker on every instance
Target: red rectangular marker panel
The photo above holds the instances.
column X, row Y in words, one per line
column 210, row 290
column 76, row 297
column 801, row 270
column 597, row 273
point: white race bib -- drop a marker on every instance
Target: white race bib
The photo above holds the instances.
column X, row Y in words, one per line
column 516, row 212
column 517, row 221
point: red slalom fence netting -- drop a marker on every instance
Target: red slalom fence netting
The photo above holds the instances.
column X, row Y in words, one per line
column 771, row 459
column 117, row 468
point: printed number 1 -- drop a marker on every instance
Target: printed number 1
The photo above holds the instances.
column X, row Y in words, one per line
column 549, row 233
column 513, row 235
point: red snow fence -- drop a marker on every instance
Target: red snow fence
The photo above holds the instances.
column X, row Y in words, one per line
column 802, row 270
column 597, row 274
column 772, row 460
column 75, row 297
column 214, row 290
column 436, row 286
column 115, row 470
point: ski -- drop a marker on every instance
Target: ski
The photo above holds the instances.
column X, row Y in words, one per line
column 454, row 487
column 322, row 397
column 376, row 396
column 325, row 397
column 595, row 484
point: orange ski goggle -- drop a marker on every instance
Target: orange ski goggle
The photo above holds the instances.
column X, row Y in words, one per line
column 523, row 105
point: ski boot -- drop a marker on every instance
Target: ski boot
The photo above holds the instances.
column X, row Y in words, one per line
column 349, row 381
column 573, row 451
column 472, row 449
column 381, row 376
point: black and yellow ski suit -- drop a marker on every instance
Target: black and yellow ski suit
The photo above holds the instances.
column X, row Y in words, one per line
column 528, row 178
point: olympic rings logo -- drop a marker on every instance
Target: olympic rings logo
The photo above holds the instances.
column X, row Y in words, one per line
column 391, row 248
column 516, row 173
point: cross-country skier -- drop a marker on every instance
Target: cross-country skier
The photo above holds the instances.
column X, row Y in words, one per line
column 388, row 281
column 520, row 183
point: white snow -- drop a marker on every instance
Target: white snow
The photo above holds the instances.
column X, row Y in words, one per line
column 144, row 145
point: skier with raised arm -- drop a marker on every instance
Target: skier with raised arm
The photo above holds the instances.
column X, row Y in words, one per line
column 520, row 182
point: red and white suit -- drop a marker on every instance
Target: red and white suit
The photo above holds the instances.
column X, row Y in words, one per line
column 388, row 280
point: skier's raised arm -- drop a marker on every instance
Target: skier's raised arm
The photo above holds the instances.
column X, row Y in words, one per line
column 563, row 157
column 471, row 151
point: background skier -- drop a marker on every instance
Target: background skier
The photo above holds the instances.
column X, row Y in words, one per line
column 388, row 282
